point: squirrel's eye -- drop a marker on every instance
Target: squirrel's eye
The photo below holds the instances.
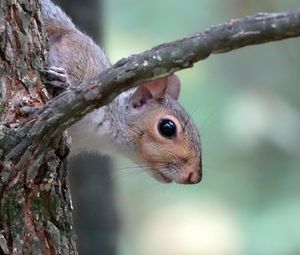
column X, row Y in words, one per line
column 167, row 128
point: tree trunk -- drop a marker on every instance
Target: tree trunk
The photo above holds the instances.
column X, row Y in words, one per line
column 35, row 206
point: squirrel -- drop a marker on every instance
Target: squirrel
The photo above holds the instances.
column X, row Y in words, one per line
column 145, row 124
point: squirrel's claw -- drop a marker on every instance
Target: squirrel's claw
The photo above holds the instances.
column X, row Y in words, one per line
column 55, row 77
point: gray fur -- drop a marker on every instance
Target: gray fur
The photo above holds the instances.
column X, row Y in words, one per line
column 112, row 128
column 53, row 14
column 71, row 49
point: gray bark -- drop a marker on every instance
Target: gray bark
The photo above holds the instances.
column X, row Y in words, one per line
column 35, row 205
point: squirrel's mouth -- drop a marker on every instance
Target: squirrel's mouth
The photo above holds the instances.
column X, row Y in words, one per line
column 159, row 176
column 165, row 178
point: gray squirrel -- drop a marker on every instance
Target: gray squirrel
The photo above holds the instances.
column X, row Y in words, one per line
column 145, row 124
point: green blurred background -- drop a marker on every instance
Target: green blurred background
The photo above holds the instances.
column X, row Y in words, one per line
column 246, row 104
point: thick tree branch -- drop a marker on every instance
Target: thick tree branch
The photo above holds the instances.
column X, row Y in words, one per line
column 160, row 61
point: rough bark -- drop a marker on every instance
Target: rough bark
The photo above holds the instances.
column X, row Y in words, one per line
column 35, row 209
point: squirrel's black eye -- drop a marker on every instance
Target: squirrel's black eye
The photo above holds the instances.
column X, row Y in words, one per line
column 167, row 128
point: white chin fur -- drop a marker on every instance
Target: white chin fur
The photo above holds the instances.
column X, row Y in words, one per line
column 159, row 176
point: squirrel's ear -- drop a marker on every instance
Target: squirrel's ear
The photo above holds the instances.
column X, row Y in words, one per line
column 173, row 87
column 157, row 89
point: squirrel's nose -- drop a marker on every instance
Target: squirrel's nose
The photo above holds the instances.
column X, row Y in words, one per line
column 191, row 177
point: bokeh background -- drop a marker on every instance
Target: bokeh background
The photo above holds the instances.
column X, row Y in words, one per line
column 246, row 104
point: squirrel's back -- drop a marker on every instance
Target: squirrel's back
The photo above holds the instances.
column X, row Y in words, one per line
column 52, row 14
column 71, row 49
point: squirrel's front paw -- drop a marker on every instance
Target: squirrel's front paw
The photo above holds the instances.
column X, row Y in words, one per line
column 56, row 78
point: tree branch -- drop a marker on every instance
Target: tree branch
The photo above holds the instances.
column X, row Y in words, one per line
column 162, row 60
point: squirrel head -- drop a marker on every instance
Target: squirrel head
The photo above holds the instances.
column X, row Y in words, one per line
column 164, row 137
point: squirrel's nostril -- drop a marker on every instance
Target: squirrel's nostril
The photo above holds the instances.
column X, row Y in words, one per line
column 194, row 177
